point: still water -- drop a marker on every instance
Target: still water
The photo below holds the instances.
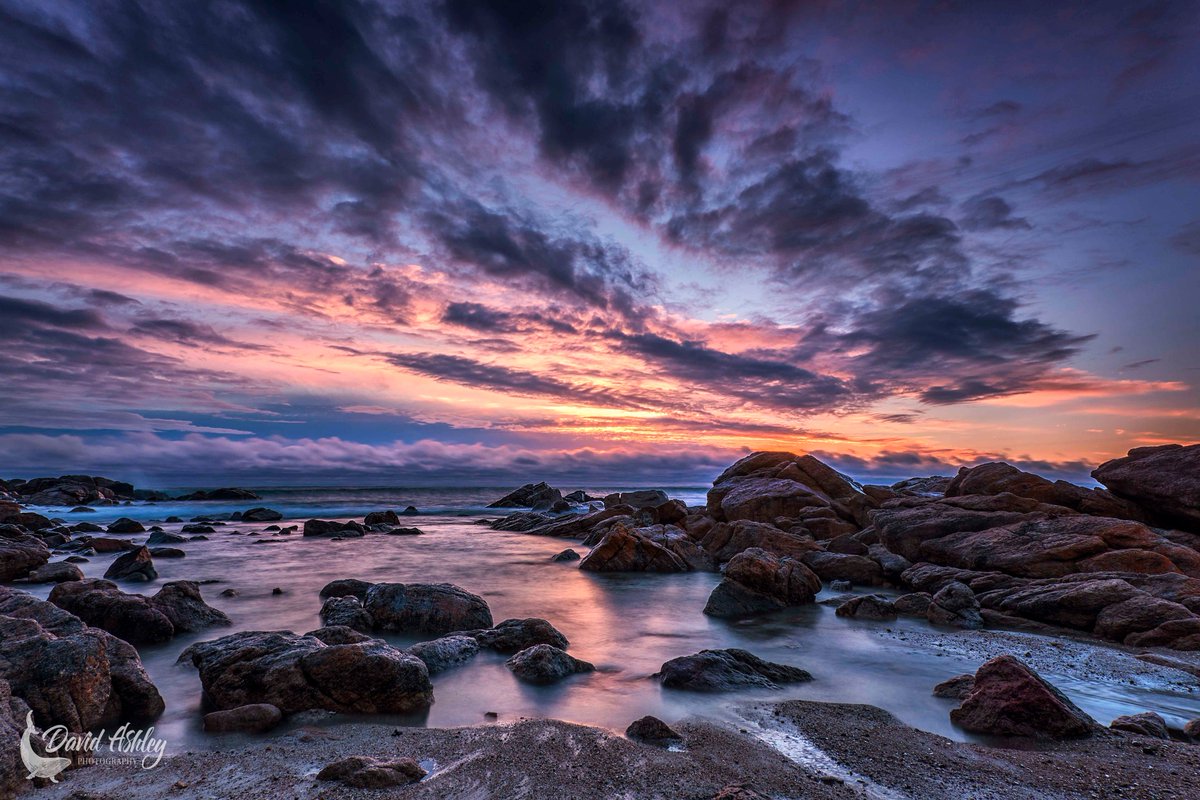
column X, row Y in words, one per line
column 626, row 624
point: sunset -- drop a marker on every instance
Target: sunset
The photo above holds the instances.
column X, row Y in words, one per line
column 825, row 306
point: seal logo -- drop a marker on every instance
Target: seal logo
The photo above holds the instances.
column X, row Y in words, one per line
column 38, row 766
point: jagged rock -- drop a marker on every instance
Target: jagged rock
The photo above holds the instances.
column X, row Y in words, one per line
column 20, row 553
column 514, row 635
column 135, row 565
column 956, row 688
column 653, row 731
column 867, row 606
column 55, row 572
column 346, row 611
column 29, row 520
column 725, row 540
column 859, row 570
column 725, row 670
column 643, row 498
column 346, row 586
column 68, row 672
column 325, row 527
column 1164, row 481
column 434, row 608
column 126, row 525
column 915, row 604
column 261, row 515
column 764, row 486
column 531, row 495
column 932, row 486
column 252, row 718
column 299, row 673
column 999, row 477
column 565, row 555
column 339, row 634
column 756, row 581
column 655, row 549
column 361, row 772
column 1010, row 699
column 382, row 518
column 177, row 607
column 1145, row 724
column 955, row 604
column 545, row 664
column 448, row 651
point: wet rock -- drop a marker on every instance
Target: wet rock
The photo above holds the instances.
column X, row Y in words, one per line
column 126, row 525
column 643, row 498
column 198, row 527
column 859, row 570
column 162, row 537
column 135, row 565
column 565, row 555
column 867, row 606
column 68, row 672
column 841, row 585
column 382, row 518
column 1010, row 699
column 20, row 553
column 434, row 608
column 86, row 527
column 726, row 670
column 347, row 611
column 514, row 635
column 1192, row 728
column 227, row 493
column 177, row 607
column 167, row 552
column 448, row 651
column 252, row 718
column 1145, row 724
column 103, row 544
column 29, row 520
column 1164, row 481
column 299, row 673
column 933, row 486
column 653, row 731
column 261, row 515
column 725, row 540
column 76, row 560
column 956, row 688
column 756, row 581
column 325, row 527
column 405, row 532
column 361, row 772
column 658, row 549
column 764, row 486
column 955, row 604
column 915, row 604
column 531, row 495
column 339, row 634
column 55, row 572
column 409, row 511
column 545, row 664
column 346, row 586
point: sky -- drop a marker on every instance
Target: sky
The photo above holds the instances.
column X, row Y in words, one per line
column 461, row 242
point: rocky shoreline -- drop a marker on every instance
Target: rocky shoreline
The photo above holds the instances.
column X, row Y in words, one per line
column 992, row 549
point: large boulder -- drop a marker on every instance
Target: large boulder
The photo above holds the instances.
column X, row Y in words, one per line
column 448, row 651
column 1164, row 481
column 299, row 673
column 764, row 486
column 659, row 548
column 326, row 527
column 135, row 565
column 757, row 581
column 514, row 635
column 68, row 672
column 434, row 608
column 20, row 553
column 346, row 611
column 545, row 664
column 998, row 477
column 176, row 608
column 955, row 604
column 261, row 514
column 725, row 670
column 531, row 495
column 126, row 525
column 1010, row 699
column 55, row 572
column 1146, row 724
column 859, row 570
column 725, row 540
column 642, row 498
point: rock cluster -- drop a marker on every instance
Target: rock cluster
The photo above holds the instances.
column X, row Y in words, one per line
column 433, row 608
column 176, row 608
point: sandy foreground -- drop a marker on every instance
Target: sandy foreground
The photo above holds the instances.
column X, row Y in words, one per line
column 795, row 749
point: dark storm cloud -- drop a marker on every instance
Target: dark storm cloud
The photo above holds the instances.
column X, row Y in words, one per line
column 188, row 333
column 486, row 319
column 990, row 213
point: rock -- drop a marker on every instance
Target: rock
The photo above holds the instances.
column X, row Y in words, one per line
column 859, row 570
column 1145, row 724
column 726, row 670
column 643, row 498
column 955, row 604
column 956, row 688
column 346, row 611
column 201, row 528
column 999, row 477
column 68, row 672
column 405, row 532
column 20, row 553
column 514, row 635
column 83, row 510
column 261, row 514
column 764, row 486
column 653, row 731
column 324, row 527
column 725, row 540
column 1164, row 481
column 76, row 560
column 299, row 673
column 229, row 493
column 1192, row 728
column 252, row 718
column 531, row 495
column 86, row 527
column 56, row 572
column 448, row 651
column 126, row 525
column 867, row 606
column 29, row 520
column 346, row 586
column 162, row 537
column 933, row 486
column 545, row 664
column 756, row 581
column 103, row 544
column 915, row 604
column 339, row 634
column 176, row 608
column 578, row 496
column 628, row 549
column 1010, row 699
column 136, row 565
column 382, row 518
column 565, row 555
column 14, row 776
column 841, row 585
column 434, row 608
column 361, row 772
column 409, row 511
column 847, row 545
column 167, row 552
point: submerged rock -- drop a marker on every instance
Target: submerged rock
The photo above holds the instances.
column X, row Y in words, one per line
column 261, row 515
column 448, row 651
column 135, row 565
column 435, row 608
column 726, row 670
column 531, row 495
column 126, row 525
column 565, row 555
column 756, row 581
column 545, row 664
column 176, row 608
column 55, row 572
column 514, row 635
column 299, row 673
column 1010, row 699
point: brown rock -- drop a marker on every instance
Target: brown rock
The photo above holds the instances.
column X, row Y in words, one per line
column 859, row 570
column 867, row 606
column 362, row 772
column 757, row 581
column 956, row 688
column 253, row 718
column 1010, row 699
column 653, row 731
column 1164, row 481
column 1145, row 724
